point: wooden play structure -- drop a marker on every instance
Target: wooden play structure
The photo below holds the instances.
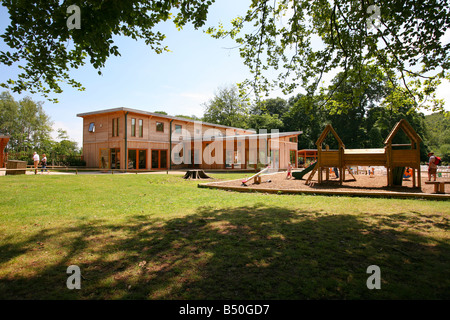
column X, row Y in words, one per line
column 392, row 156
column 3, row 142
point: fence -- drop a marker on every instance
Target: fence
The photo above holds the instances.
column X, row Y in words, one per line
column 77, row 170
column 55, row 160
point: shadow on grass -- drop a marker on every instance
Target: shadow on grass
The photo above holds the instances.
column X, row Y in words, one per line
column 254, row 252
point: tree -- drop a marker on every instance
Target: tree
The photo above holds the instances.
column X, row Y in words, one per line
column 271, row 106
column 227, row 108
column 305, row 114
column 302, row 40
column 363, row 90
column 191, row 117
column 45, row 46
column 265, row 121
column 65, row 146
column 26, row 122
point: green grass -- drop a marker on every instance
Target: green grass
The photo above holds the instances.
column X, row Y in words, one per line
column 161, row 237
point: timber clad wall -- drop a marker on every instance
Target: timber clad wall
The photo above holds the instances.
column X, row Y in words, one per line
column 148, row 145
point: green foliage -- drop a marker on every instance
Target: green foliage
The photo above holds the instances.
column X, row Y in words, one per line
column 264, row 121
column 45, row 49
column 227, row 108
column 191, row 117
column 29, row 128
column 26, row 122
column 277, row 106
column 301, row 41
column 437, row 135
column 305, row 114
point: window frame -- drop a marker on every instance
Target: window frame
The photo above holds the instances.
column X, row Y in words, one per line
column 115, row 127
column 141, row 128
column 133, row 127
column 161, row 124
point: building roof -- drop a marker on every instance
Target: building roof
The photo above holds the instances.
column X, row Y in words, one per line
column 243, row 136
column 86, row 114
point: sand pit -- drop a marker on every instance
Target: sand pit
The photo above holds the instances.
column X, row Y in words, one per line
column 364, row 184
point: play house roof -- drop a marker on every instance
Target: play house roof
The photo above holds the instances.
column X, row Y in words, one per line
column 328, row 129
column 406, row 127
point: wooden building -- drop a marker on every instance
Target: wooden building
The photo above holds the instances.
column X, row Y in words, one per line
column 3, row 142
column 153, row 141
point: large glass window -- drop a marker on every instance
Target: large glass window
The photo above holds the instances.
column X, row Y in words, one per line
column 159, row 159
column 292, row 156
column 137, row 159
column 142, row 159
column 132, row 159
column 104, row 158
column 115, row 158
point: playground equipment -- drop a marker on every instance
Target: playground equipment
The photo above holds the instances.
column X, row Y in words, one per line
column 256, row 177
column 300, row 174
column 392, row 156
column 3, row 142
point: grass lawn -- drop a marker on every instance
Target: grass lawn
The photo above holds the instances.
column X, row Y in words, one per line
column 161, row 237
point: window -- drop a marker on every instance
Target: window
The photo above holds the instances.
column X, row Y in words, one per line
column 115, row 127
column 92, row 127
column 133, row 127
column 115, row 158
column 137, row 159
column 292, row 156
column 159, row 126
column 141, row 128
column 159, row 159
column 178, row 128
column 293, row 139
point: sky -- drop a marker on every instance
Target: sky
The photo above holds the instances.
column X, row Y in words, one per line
column 178, row 82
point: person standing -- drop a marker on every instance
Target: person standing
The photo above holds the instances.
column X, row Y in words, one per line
column 36, row 161
column 432, row 167
column 336, row 172
column 289, row 171
column 44, row 163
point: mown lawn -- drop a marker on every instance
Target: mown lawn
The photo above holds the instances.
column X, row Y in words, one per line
column 160, row 237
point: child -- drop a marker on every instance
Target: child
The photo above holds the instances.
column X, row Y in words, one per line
column 289, row 170
column 44, row 164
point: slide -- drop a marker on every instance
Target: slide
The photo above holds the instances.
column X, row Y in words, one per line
column 300, row 174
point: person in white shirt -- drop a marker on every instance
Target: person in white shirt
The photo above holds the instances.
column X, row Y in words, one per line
column 36, row 161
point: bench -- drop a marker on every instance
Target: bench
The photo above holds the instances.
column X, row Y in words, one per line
column 439, row 186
